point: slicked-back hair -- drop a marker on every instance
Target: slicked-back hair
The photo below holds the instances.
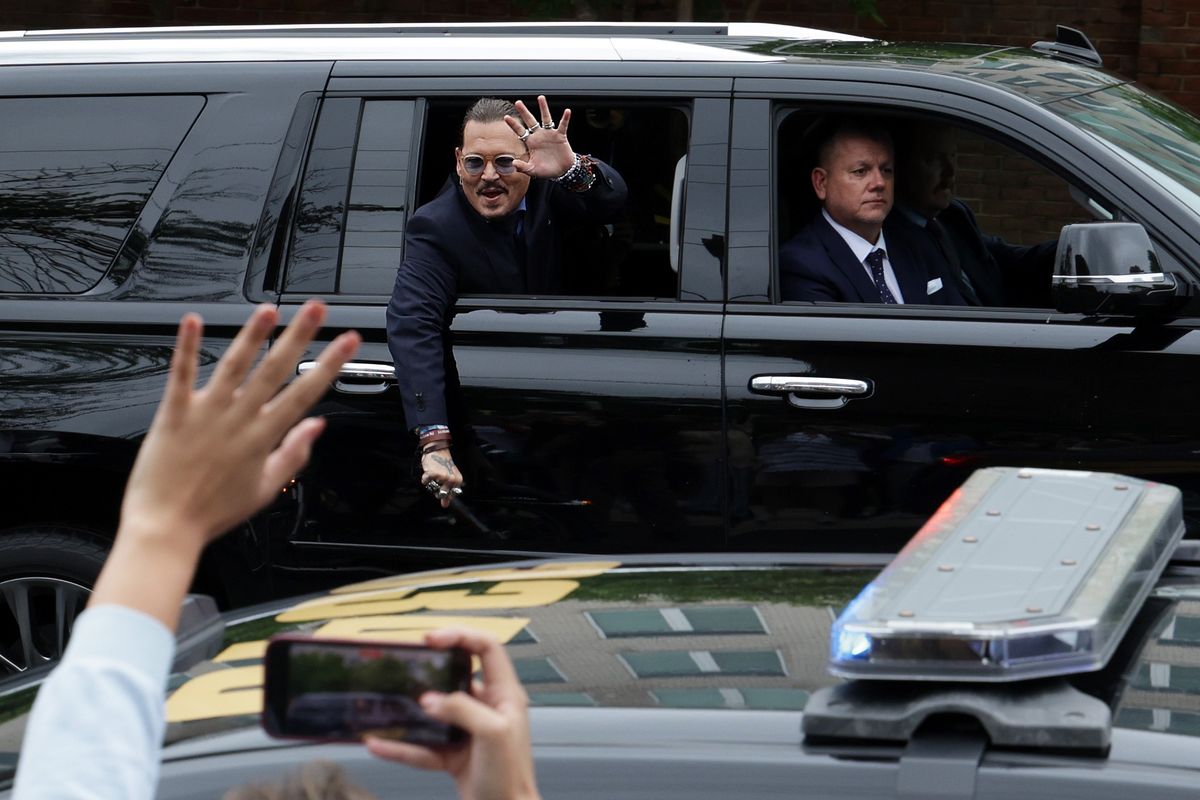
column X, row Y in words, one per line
column 850, row 128
column 485, row 110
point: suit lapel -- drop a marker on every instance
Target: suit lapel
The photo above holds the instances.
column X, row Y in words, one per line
column 910, row 273
column 843, row 258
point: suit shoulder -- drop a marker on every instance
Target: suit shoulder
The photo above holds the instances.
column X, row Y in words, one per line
column 804, row 239
column 440, row 207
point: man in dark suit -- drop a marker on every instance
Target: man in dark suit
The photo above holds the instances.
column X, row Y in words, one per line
column 495, row 232
column 987, row 270
column 851, row 252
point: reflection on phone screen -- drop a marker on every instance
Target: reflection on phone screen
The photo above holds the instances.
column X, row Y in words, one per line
column 336, row 691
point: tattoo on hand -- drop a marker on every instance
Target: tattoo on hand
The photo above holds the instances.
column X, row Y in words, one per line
column 443, row 462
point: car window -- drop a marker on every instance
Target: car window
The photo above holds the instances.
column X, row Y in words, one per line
column 1145, row 128
column 348, row 233
column 1000, row 211
column 363, row 178
column 630, row 256
column 74, row 175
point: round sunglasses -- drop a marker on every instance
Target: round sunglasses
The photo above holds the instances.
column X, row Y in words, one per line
column 474, row 165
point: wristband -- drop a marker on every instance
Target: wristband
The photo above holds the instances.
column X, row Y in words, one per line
column 581, row 175
column 424, row 431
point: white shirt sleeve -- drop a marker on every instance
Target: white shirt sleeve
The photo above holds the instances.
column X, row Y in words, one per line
column 97, row 725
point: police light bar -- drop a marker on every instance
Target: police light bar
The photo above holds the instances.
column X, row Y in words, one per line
column 1022, row 573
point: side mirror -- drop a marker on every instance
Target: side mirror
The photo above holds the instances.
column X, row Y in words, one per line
column 1112, row 269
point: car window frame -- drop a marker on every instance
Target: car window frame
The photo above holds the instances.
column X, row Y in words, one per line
column 703, row 230
column 1007, row 119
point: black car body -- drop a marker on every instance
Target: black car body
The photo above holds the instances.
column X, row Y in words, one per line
column 670, row 402
column 676, row 677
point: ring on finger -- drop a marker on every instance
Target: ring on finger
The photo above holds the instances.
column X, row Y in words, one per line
column 528, row 132
column 548, row 125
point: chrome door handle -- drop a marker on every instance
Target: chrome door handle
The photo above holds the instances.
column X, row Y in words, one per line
column 792, row 383
column 838, row 390
column 381, row 375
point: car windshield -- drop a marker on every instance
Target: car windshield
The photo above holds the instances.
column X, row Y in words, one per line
column 1158, row 136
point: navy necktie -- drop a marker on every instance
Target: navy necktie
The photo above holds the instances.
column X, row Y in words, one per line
column 874, row 260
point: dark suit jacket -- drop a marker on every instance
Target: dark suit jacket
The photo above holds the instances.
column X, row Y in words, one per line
column 449, row 250
column 1002, row 274
column 817, row 264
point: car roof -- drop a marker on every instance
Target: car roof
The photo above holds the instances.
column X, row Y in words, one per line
column 415, row 42
column 1033, row 75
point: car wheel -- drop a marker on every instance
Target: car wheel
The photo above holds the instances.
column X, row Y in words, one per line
column 46, row 577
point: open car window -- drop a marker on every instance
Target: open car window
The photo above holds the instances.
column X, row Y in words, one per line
column 1001, row 210
column 374, row 160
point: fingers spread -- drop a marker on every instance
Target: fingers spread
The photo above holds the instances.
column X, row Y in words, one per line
column 239, row 358
column 299, row 396
column 564, row 121
column 290, row 457
column 517, row 127
column 280, row 361
column 182, row 377
column 544, row 107
column 526, row 115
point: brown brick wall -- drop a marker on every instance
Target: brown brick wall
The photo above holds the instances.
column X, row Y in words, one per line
column 1030, row 205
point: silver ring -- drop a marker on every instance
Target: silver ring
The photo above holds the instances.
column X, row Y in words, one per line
column 443, row 494
column 456, row 491
column 548, row 126
column 528, row 132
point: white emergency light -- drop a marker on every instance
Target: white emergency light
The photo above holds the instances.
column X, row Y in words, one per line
column 1022, row 573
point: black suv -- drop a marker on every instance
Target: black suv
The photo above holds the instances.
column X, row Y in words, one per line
column 670, row 400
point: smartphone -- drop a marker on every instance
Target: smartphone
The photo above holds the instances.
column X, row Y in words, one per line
column 342, row 689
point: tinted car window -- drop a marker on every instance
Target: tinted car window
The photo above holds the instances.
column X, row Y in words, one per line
column 349, row 232
column 74, row 174
column 1015, row 201
column 1146, row 129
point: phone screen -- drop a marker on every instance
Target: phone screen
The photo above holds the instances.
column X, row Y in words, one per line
column 345, row 690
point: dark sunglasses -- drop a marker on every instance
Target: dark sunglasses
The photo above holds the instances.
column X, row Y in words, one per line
column 504, row 165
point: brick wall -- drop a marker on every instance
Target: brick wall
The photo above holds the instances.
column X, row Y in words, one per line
column 1030, row 205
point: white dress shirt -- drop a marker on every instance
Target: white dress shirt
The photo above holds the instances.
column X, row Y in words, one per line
column 862, row 248
column 97, row 725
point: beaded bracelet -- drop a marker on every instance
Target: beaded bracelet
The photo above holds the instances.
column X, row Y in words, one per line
column 581, row 175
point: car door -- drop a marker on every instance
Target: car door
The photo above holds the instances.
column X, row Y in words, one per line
column 850, row 423
column 595, row 417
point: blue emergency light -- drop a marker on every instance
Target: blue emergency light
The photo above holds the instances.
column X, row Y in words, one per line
column 1022, row 573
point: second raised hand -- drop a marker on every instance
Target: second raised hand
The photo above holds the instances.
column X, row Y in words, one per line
column 549, row 152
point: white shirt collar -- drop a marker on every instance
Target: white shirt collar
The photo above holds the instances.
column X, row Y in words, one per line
column 858, row 245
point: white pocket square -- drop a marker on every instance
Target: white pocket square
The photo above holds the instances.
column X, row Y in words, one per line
column 934, row 285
